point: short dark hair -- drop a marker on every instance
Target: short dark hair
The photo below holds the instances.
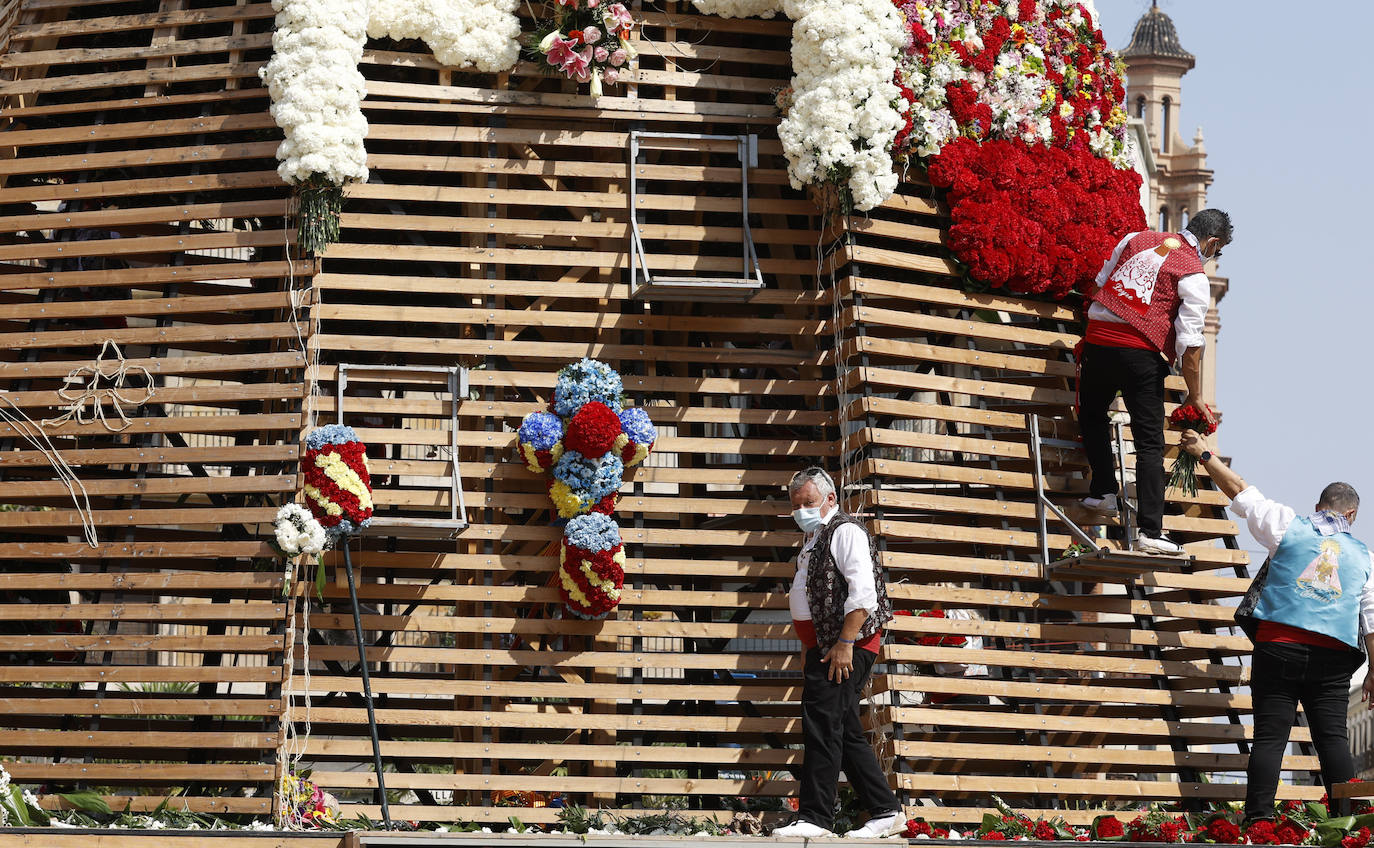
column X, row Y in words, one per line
column 1339, row 497
column 1211, row 223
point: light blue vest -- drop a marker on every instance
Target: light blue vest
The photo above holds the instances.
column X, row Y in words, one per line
column 1315, row 583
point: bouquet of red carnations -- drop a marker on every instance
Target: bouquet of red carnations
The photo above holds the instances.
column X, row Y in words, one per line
column 1183, row 473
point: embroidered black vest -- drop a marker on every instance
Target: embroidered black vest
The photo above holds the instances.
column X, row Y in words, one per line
column 827, row 590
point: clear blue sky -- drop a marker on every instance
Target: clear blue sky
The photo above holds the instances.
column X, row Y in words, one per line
column 1282, row 100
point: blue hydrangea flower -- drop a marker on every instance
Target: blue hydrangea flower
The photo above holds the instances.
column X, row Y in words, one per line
column 541, row 430
column 587, row 380
column 636, row 424
column 593, row 532
column 330, row 434
column 575, row 470
column 598, row 477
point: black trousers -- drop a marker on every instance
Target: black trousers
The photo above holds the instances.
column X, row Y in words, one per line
column 1139, row 376
column 1284, row 675
column 834, row 739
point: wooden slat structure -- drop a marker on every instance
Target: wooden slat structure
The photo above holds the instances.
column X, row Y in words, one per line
column 140, row 206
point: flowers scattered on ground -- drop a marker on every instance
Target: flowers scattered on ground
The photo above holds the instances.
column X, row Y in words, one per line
column 586, row 40
column 304, row 805
column 584, row 443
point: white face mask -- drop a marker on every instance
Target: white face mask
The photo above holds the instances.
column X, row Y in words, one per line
column 808, row 518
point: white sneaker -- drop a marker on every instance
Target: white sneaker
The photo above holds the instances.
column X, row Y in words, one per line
column 877, row 828
column 802, row 828
column 1104, row 506
column 1160, row 545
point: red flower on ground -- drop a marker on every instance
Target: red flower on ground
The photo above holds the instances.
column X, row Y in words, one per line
column 997, row 835
column 1358, row 839
column 1289, row 832
column 917, row 827
column 1109, row 827
column 1261, row 833
column 1223, row 831
column 1044, row 831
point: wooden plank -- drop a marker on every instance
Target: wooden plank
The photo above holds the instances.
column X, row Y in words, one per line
column 137, row 772
column 23, row 489
column 147, row 20
column 233, row 455
column 245, row 611
column 118, row 704
column 92, row 739
column 180, row 424
column 162, row 365
column 67, row 642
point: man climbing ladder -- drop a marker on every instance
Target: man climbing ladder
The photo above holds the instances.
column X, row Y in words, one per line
column 1146, row 313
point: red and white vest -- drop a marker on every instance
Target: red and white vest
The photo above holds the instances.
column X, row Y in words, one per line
column 1142, row 289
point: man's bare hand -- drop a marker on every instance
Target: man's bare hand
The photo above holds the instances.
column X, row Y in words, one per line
column 841, row 660
column 1368, row 694
column 1193, row 442
column 1206, row 411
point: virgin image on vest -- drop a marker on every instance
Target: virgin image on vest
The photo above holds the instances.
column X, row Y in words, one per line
column 1142, row 289
column 827, row 590
column 1314, row 583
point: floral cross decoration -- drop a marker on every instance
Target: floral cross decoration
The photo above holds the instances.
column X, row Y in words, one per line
column 583, row 444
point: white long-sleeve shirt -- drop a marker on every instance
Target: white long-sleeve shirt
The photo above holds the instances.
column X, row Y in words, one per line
column 1268, row 522
column 1194, row 292
column 849, row 546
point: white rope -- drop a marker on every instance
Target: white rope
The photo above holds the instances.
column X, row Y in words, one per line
column 35, row 436
column 295, row 743
column 95, row 395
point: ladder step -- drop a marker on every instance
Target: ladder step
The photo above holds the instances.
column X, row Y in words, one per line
column 1108, row 565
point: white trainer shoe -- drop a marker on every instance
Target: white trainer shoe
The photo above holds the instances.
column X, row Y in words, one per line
column 802, row 828
column 877, row 828
column 1105, row 506
column 1160, row 545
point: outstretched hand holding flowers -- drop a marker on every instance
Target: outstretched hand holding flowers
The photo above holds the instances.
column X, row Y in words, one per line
column 1183, row 473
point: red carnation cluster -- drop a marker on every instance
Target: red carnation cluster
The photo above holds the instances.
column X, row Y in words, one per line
column 1032, row 219
column 353, row 455
column 1223, row 831
column 1189, row 417
column 967, row 109
column 921, row 827
column 1109, row 827
column 1358, row 839
column 592, row 430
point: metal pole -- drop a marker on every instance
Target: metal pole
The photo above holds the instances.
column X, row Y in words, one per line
column 1038, row 471
column 367, row 685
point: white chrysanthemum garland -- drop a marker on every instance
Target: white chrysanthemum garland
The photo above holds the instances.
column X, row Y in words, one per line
column 845, row 108
column 480, row 34
column 317, row 92
column 739, row 8
column 317, row 89
column 844, row 111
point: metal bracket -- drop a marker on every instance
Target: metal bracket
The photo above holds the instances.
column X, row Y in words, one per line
column 407, row 526
column 643, row 283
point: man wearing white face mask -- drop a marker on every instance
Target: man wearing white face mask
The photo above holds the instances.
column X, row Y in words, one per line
column 839, row 606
